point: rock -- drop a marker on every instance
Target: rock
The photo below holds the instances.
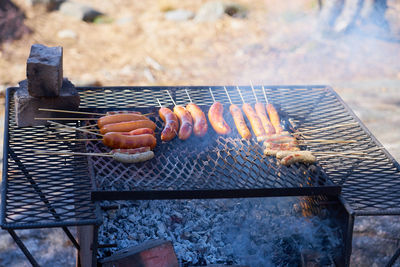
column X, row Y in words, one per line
column 212, row 11
column 79, row 11
column 179, row 15
column 44, row 70
column 26, row 106
column 67, row 34
column 124, row 20
column 50, row 4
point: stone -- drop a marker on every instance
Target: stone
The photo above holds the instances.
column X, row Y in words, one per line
column 210, row 11
column 79, row 11
column 26, row 106
column 49, row 4
column 179, row 15
column 158, row 253
column 44, row 70
column 67, row 34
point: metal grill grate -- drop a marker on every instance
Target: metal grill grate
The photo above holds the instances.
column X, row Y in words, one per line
column 369, row 186
column 43, row 190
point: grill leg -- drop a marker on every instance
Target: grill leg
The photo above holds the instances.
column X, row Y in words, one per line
column 394, row 258
column 71, row 237
column 23, row 248
column 95, row 245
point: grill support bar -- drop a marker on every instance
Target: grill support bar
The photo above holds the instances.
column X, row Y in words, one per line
column 23, row 248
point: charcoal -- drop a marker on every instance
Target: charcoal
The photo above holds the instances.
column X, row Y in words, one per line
column 44, row 70
column 26, row 106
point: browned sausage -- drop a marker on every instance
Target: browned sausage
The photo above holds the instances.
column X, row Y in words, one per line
column 119, row 118
column 127, row 126
column 215, row 116
column 239, row 121
column 142, row 131
column 200, row 126
column 255, row 121
column 262, row 114
column 185, row 121
column 118, row 140
column 274, row 117
column 171, row 124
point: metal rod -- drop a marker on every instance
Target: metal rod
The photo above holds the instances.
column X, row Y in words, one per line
column 71, row 153
column 328, row 127
column 265, row 94
column 212, row 95
column 254, row 91
column 71, row 237
column 226, row 91
column 23, row 248
column 240, row 93
column 71, row 111
column 173, row 101
column 72, row 140
column 188, row 95
column 158, row 100
column 74, row 128
column 67, row 119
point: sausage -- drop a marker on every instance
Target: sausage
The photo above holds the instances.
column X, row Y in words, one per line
column 282, row 140
column 133, row 158
column 262, row 114
column 272, row 149
column 274, row 117
column 171, row 124
column 142, row 131
column 127, row 126
column 266, row 137
column 122, row 112
column 200, row 126
column 255, row 121
column 118, row 140
column 215, row 116
column 102, row 121
column 283, row 154
column 131, row 150
column 239, row 121
column 298, row 157
column 185, row 121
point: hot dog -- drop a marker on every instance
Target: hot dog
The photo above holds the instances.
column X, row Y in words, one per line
column 306, row 158
column 200, row 126
column 119, row 118
column 142, row 131
column 171, row 124
column 255, row 122
column 132, row 155
column 239, row 121
column 215, row 116
column 127, row 126
column 266, row 123
column 185, row 121
column 118, row 140
column 274, row 117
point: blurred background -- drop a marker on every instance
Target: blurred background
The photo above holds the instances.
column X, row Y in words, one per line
column 351, row 45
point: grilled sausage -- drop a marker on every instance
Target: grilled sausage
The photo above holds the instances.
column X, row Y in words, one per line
column 306, row 158
column 283, row 154
column 171, row 124
column 274, row 117
column 119, row 118
column 266, row 137
column 118, row 140
column 215, row 116
column 133, row 158
column 262, row 114
column 142, row 131
column 255, row 121
column 131, row 150
column 127, row 126
column 200, row 126
column 185, row 121
column 239, row 121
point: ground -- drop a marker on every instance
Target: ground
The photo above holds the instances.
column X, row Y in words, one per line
column 274, row 44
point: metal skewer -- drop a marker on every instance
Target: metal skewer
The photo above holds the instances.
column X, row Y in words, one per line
column 173, row 101
column 70, row 111
column 254, row 91
column 74, row 128
column 265, row 94
column 240, row 93
column 226, row 91
column 72, row 153
column 190, row 100
column 212, row 95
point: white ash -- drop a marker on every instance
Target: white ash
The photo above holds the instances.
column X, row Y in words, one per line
column 254, row 232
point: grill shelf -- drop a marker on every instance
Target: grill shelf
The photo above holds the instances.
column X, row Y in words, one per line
column 55, row 190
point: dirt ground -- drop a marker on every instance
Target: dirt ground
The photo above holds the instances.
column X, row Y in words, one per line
column 277, row 43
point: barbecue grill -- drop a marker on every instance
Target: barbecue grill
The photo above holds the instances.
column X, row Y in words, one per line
column 57, row 191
